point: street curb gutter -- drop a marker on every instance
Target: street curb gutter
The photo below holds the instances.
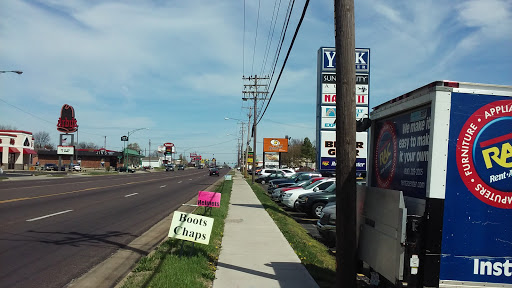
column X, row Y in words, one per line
column 113, row 271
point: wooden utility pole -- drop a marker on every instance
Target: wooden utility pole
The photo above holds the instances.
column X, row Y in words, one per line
column 346, row 255
column 254, row 97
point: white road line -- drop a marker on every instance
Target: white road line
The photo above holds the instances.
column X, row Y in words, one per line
column 180, row 182
column 163, row 186
column 54, row 214
column 129, row 195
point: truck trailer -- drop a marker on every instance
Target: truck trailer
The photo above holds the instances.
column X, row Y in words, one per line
column 437, row 209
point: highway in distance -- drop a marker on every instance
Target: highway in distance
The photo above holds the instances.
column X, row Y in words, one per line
column 54, row 230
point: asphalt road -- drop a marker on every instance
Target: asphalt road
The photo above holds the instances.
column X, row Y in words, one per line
column 54, row 230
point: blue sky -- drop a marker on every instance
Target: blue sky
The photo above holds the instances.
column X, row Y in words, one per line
column 176, row 67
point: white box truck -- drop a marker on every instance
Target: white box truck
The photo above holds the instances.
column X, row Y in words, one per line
column 438, row 204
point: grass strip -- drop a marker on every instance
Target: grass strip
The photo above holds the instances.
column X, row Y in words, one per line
column 317, row 259
column 196, row 267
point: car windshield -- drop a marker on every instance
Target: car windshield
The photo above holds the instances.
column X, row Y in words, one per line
column 312, row 185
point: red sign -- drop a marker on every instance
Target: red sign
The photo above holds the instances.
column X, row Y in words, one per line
column 67, row 122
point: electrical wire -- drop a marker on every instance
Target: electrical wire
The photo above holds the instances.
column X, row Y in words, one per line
column 270, row 36
column 256, row 36
column 286, row 59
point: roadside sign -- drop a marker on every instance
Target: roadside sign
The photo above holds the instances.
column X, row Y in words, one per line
column 191, row 227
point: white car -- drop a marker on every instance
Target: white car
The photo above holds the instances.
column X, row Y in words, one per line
column 290, row 197
column 76, row 167
column 287, row 172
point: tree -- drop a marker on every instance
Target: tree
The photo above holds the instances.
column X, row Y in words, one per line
column 7, row 127
column 134, row 146
column 42, row 140
column 87, row 145
column 308, row 151
column 293, row 157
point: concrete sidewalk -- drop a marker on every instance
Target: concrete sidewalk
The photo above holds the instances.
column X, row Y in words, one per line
column 254, row 251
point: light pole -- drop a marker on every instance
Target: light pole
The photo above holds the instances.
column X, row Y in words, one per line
column 128, row 139
column 12, row 71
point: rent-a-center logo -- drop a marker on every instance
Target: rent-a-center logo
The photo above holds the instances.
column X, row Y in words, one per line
column 67, row 122
column 484, row 154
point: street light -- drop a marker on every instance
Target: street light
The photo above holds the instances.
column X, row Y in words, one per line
column 129, row 133
column 12, row 71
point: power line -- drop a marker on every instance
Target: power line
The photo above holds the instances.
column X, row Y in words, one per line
column 256, row 36
column 270, row 35
column 287, row 55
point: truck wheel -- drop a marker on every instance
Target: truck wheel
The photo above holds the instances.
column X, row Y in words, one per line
column 317, row 208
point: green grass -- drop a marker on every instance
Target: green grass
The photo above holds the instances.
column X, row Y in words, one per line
column 315, row 256
column 196, row 267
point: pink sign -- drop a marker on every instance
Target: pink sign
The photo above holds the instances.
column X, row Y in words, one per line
column 208, row 199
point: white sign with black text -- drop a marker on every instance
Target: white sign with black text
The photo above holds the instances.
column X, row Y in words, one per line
column 191, row 227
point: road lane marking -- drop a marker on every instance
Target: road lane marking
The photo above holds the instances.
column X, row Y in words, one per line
column 163, row 186
column 180, row 182
column 46, row 216
column 77, row 191
column 129, row 195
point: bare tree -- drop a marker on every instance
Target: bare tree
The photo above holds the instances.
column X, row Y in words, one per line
column 87, row 145
column 42, row 140
column 7, row 127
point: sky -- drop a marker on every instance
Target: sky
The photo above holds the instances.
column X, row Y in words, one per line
column 177, row 67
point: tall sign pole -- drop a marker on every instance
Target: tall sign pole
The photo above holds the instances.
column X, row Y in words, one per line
column 346, row 257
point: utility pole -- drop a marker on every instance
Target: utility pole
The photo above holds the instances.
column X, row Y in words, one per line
column 346, row 257
column 246, row 167
column 149, row 153
column 105, row 145
column 255, row 95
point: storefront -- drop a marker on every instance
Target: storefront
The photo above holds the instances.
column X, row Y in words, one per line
column 16, row 149
column 87, row 158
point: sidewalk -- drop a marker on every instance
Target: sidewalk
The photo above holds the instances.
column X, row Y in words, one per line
column 254, row 251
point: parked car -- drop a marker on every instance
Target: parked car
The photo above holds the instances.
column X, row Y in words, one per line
column 313, row 203
column 181, row 167
column 297, row 177
column 169, row 167
column 214, row 171
column 264, row 179
column 288, row 172
column 75, row 167
column 125, row 169
column 290, row 197
column 265, row 172
column 326, row 225
column 299, row 185
column 51, row 167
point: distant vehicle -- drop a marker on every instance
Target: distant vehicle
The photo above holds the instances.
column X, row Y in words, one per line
column 214, row 171
column 51, row 167
column 75, row 167
column 201, row 166
column 264, row 179
column 297, row 177
column 169, row 167
column 126, row 169
column 181, row 167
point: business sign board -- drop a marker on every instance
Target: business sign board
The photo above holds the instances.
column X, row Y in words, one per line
column 65, row 150
column 66, row 139
column 328, row 60
column 208, row 199
column 275, row 145
column 329, row 115
column 328, row 150
column 191, row 227
column 67, row 122
column 326, row 106
column 402, row 152
column 478, row 199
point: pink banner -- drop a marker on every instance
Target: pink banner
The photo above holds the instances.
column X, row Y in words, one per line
column 208, row 199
